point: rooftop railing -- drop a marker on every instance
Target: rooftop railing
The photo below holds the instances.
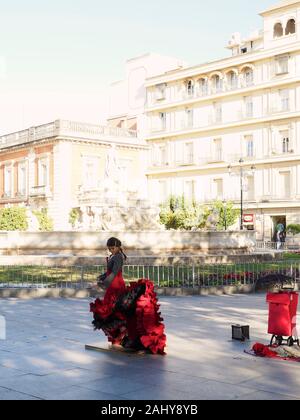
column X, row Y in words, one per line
column 67, row 129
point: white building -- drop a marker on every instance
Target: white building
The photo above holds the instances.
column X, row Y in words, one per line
column 203, row 119
column 128, row 97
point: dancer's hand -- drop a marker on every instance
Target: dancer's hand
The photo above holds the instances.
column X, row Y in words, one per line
column 101, row 279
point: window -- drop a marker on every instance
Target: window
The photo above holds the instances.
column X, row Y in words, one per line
column 43, row 178
column 249, row 146
column 121, row 124
column 189, row 153
column 285, row 185
column 162, row 155
column 285, row 141
column 217, row 150
column 90, row 173
column 203, row 87
column 218, row 112
column 284, row 100
column 22, row 179
column 160, row 93
column 163, row 120
column 217, row 84
column 248, row 77
column 218, row 189
column 282, row 65
column 124, row 166
column 190, row 87
column 189, row 190
column 290, row 27
column 250, row 188
column 189, row 117
column 8, row 181
column 278, row 30
column 249, row 110
column 232, row 80
column 162, row 191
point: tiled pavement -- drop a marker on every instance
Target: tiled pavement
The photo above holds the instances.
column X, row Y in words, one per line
column 44, row 357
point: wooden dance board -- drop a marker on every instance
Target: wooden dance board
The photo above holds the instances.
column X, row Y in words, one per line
column 116, row 350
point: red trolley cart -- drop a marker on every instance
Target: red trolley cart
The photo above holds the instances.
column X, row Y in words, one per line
column 283, row 317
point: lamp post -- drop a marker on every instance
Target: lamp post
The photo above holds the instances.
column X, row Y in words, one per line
column 242, row 173
column 242, row 193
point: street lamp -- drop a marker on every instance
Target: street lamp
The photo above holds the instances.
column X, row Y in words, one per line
column 242, row 173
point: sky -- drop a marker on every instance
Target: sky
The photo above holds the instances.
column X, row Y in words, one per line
column 58, row 58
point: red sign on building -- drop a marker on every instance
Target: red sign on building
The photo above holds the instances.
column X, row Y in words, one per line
column 249, row 219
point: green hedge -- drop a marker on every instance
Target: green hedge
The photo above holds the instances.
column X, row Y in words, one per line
column 13, row 218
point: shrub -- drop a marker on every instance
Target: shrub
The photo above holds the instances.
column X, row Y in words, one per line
column 13, row 218
column 293, row 229
column 227, row 214
column 45, row 221
column 74, row 216
column 178, row 214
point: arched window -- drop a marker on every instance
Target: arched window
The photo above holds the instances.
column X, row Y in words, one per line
column 190, row 87
column 217, row 83
column 203, row 86
column 278, row 30
column 290, row 27
column 248, row 76
column 232, row 80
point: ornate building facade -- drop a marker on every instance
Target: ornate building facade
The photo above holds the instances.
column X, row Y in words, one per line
column 66, row 165
column 211, row 126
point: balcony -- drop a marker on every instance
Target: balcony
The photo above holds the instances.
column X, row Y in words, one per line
column 245, row 115
column 7, row 195
column 280, row 153
column 235, row 158
column 64, row 128
column 41, row 191
column 216, row 158
column 186, row 162
column 268, row 198
column 248, row 197
column 277, row 109
column 21, row 194
column 159, row 164
column 7, row 198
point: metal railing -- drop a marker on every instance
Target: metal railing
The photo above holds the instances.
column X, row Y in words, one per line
column 176, row 276
column 283, row 246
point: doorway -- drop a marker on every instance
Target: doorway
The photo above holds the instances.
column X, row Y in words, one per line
column 277, row 221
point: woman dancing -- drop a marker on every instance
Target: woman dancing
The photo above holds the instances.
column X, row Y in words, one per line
column 129, row 316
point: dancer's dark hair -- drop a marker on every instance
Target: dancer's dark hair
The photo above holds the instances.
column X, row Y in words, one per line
column 118, row 243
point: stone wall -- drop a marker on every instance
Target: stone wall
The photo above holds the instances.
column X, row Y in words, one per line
column 138, row 244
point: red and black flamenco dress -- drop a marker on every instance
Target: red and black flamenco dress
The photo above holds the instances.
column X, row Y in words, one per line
column 131, row 315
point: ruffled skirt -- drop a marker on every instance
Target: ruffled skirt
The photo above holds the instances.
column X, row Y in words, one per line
column 132, row 316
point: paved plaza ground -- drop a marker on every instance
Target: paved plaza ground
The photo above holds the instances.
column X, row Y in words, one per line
column 43, row 356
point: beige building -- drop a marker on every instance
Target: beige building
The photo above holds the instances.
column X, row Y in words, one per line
column 98, row 170
column 65, row 165
column 207, row 125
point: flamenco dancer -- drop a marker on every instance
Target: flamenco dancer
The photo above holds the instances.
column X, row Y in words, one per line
column 129, row 316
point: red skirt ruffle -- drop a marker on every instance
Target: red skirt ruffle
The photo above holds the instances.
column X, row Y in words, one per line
column 144, row 324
